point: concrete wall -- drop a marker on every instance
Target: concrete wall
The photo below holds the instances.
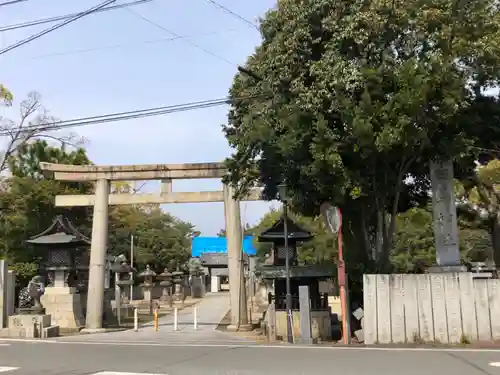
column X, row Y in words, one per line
column 441, row 308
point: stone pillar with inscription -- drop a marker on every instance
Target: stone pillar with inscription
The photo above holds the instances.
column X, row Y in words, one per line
column 445, row 217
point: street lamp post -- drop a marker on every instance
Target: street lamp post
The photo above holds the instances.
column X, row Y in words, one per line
column 282, row 189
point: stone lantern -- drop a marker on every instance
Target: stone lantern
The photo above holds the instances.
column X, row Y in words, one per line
column 123, row 278
column 166, row 286
column 178, row 279
column 148, row 274
column 63, row 245
column 197, row 276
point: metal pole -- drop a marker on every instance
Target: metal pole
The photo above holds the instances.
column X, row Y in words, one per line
column 195, row 314
column 289, row 330
column 136, row 320
column 342, row 277
column 131, row 265
column 156, row 320
column 175, row 318
column 118, row 299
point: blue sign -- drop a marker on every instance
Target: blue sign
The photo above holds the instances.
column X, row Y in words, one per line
column 204, row 245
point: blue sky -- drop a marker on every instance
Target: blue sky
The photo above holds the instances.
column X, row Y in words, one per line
column 144, row 72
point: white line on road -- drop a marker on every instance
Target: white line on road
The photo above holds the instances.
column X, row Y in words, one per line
column 253, row 346
column 494, row 364
column 123, row 373
column 5, row 369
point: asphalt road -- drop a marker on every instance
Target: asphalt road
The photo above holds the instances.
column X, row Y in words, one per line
column 79, row 358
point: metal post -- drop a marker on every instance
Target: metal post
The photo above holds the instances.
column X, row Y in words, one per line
column 289, row 329
column 195, row 314
column 175, row 319
column 118, row 300
column 136, row 320
column 156, row 320
column 342, row 277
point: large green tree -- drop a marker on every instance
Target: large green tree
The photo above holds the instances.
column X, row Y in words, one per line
column 479, row 198
column 160, row 239
column 346, row 99
column 414, row 244
column 27, row 200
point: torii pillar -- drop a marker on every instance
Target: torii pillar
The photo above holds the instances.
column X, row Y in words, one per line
column 234, row 238
column 98, row 250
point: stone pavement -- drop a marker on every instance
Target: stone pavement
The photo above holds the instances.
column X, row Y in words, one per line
column 210, row 311
column 87, row 358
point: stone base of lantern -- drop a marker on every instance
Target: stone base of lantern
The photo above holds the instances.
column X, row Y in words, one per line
column 64, row 306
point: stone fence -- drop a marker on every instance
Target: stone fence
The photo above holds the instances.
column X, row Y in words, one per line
column 440, row 308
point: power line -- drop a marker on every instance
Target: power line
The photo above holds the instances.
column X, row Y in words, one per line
column 125, row 45
column 234, row 14
column 55, row 27
column 180, row 37
column 12, row 2
column 66, row 16
column 129, row 115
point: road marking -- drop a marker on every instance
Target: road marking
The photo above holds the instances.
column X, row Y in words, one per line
column 494, row 364
column 5, row 369
column 252, row 346
column 124, row 373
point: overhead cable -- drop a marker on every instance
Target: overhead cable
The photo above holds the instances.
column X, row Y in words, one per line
column 65, row 16
column 234, row 14
column 181, row 37
column 126, row 45
column 129, row 115
column 55, row 27
column 12, row 2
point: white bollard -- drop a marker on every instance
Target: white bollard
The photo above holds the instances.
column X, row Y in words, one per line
column 136, row 320
column 195, row 315
column 175, row 319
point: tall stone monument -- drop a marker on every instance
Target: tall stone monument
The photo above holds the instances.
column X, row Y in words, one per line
column 445, row 217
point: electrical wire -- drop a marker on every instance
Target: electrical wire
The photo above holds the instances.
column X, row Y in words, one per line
column 66, row 16
column 129, row 115
column 234, row 14
column 12, row 2
column 55, row 27
column 125, row 45
column 180, row 37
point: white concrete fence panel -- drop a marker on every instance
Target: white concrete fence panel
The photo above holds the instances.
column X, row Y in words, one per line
column 441, row 308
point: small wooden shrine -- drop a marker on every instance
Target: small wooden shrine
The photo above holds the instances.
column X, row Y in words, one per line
column 275, row 271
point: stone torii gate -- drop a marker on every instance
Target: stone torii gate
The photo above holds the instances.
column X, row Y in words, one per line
column 102, row 175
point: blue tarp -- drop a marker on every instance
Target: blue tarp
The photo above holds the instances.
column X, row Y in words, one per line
column 203, row 245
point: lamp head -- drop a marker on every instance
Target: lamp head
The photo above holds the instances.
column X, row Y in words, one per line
column 283, row 192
